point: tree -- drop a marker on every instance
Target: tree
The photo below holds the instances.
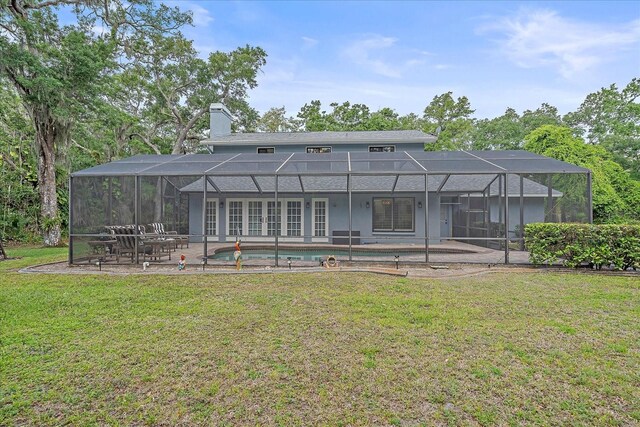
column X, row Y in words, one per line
column 275, row 120
column 616, row 197
column 449, row 119
column 507, row 132
column 19, row 204
column 544, row 115
column 501, row 133
column 181, row 87
column 611, row 118
column 354, row 117
column 58, row 70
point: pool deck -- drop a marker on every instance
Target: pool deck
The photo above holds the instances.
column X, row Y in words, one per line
column 451, row 252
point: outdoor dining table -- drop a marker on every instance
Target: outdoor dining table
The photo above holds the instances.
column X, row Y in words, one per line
column 160, row 247
column 100, row 249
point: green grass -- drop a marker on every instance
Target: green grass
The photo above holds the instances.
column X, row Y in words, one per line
column 24, row 256
column 328, row 349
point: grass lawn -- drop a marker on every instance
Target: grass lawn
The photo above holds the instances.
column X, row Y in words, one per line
column 308, row 349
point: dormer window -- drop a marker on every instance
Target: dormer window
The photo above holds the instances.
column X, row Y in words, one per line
column 318, row 150
column 266, row 150
column 382, row 148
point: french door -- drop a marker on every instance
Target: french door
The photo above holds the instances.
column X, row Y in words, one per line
column 320, row 220
column 212, row 219
column 254, row 219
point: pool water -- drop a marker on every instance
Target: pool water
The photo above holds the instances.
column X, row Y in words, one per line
column 307, row 255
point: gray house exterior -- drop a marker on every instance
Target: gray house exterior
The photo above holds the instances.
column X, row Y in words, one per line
column 327, row 203
column 330, row 188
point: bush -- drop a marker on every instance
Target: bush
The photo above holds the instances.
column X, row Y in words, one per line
column 610, row 245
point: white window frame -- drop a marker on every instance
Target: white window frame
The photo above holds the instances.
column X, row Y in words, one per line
column 259, row 148
column 211, row 237
column 227, row 212
column 383, row 145
column 314, row 238
column 264, row 236
column 306, row 150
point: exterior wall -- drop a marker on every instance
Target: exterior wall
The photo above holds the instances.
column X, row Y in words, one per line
column 338, row 206
column 295, row 148
column 533, row 211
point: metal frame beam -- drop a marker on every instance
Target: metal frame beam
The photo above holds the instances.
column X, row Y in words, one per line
column 426, row 217
column 255, row 182
column 395, row 183
column 205, row 251
column 589, row 199
column 506, row 219
column 444, row 181
column 275, row 196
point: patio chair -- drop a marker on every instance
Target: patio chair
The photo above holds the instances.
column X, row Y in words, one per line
column 126, row 240
column 158, row 229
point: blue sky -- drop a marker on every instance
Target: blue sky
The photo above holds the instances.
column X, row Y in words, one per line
column 402, row 54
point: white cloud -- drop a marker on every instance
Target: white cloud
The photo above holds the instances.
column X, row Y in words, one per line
column 201, row 16
column 543, row 38
column 308, row 42
column 363, row 52
column 384, row 56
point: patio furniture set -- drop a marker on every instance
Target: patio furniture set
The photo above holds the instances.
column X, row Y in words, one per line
column 121, row 241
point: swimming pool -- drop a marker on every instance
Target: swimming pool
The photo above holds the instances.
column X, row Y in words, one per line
column 315, row 254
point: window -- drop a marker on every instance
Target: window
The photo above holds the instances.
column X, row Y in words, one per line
column 255, row 218
column 320, row 217
column 382, row 148
column 274, row 217
column 235, row 218
column 318, row 150
column 294, row 218
column 212, row 217
column 393, row 214
column 266, row 150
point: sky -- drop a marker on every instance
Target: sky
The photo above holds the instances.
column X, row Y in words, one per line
column 402, row 54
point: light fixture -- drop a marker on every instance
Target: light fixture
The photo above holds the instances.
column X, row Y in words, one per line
column 308, row 205
column 221, row 205
column 367, row 205
column 419, row 205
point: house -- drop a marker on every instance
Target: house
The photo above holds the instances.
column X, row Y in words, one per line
column 335, row 188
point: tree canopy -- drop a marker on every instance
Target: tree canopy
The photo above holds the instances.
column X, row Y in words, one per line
column 123, row 79
column 616, row 196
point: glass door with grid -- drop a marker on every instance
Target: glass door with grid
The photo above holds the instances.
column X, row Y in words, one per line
column 212, row 219
column 254, row 218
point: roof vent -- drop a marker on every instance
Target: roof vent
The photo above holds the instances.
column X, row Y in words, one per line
column 221, row 119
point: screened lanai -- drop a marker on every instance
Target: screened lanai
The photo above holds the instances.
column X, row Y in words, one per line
column 150, row 208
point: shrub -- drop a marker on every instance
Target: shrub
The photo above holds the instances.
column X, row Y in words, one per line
column 611, row 245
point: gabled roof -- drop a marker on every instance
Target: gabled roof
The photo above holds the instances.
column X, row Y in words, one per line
column 327, row 137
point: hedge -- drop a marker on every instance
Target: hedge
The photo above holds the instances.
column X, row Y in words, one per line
column 609, row 245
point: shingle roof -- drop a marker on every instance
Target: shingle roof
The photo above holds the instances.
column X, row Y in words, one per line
column 354, row 163
column 363, row 184
column 297, row 138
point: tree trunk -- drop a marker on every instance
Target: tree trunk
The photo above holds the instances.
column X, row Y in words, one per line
column 48, row 130
column 3, row 254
